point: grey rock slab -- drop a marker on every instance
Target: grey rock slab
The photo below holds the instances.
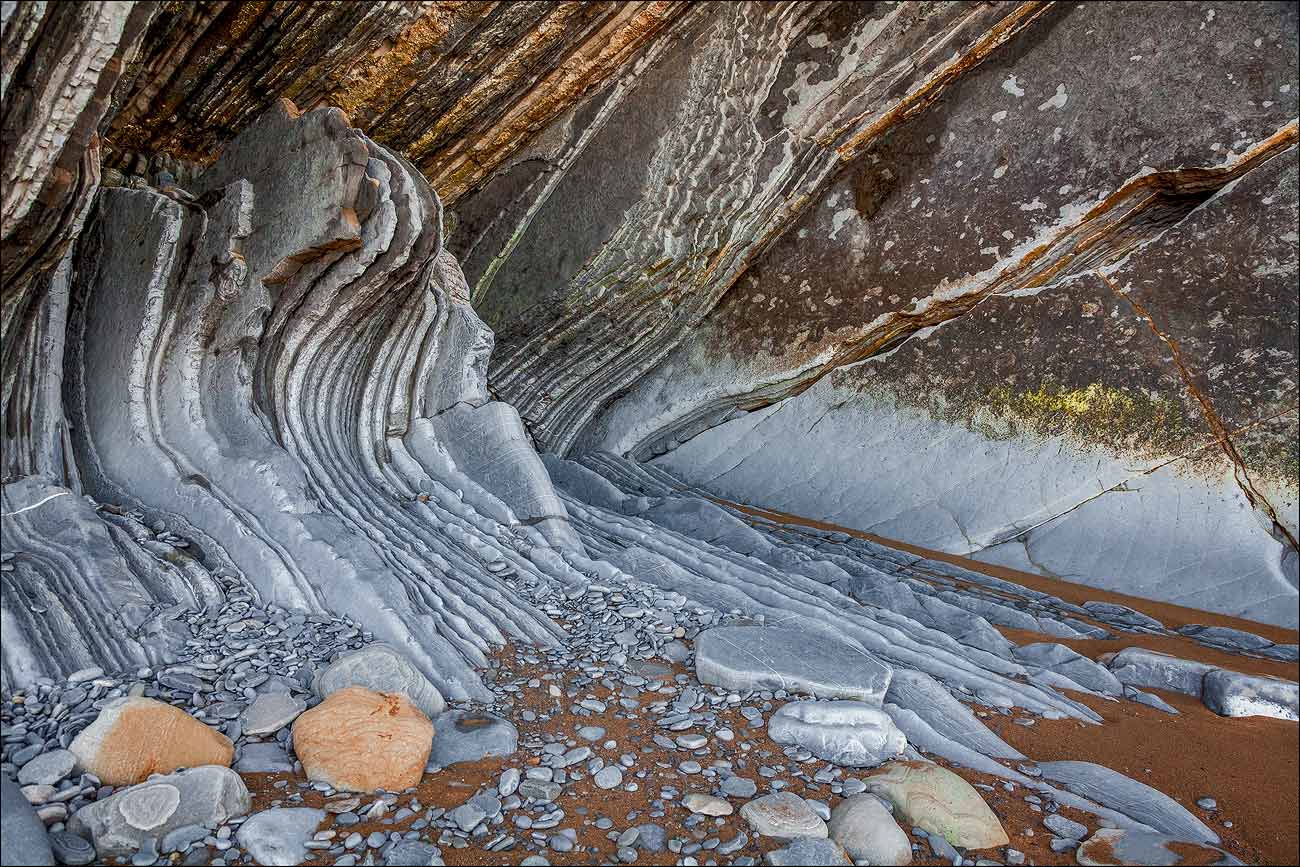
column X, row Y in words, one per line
column 1115, row 846
column 783, row 815
column 1233, row 694
column 1072, row 664
column 1136, row 800
column 467, row 736
column 846, row 733
column 608, row 777
column 707, row 805
column 865, row 827
column 1224, row 636
column 1063, row 827
column 927, row 698
column 738, row 787
column 270, row 712
column 22, row 834
column 120, row 823
column 759, row 658
column 47, row 769
column 277, row 836
column 1139, row 667
column 382, row 669
column 810, row 850
column 412, row 853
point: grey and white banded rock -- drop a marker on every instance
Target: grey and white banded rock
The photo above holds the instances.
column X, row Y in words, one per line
column 1126, row 795
column 783, row 815
column 1230, row 693
column 847, row 733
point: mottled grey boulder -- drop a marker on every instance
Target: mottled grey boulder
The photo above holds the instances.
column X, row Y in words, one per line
column 22, row 834
column 851, row 734
column 1068, row 662
column 784, row 815
column 1116, row 846
column 1137, row 666
column 383, row 669
column 467, row 736
column 1126, row 795
column 120, row 823
column 276, row 836
column 756, row 657
column 1231, row 693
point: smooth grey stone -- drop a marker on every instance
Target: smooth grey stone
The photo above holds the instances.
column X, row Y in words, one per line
column 1116, row 846
column 1125, row 795
column 508, row 783
column 381, row 668
column 738, row 787
column 808, row 850
column 1149, row 700
column 1063, row 827
column 1233, row 694
column 756, row 658
column 608, row 777
column 651, row 838
column 263, row 758
column 22, row 834
column 271, row 712
column 864, row 825
column 1207, row 803
column 467, row 736
column 846, row 733
column 412, row 853
column 943, row 849
column 784, row 815
column 70, row 849
column 467, row 816
column 179, row 839
column 277, row 836
column 1224, row 636
column 47, row 769
column 117, row 825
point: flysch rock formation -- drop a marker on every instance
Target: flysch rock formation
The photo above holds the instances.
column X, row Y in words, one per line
column 376, row 374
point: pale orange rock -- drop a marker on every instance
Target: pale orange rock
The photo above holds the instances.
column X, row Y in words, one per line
column 134, row 737
column 361, row 740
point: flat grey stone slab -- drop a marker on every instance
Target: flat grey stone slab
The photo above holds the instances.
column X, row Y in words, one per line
column 263, row 758
column 758, row 658
column 1136, row 800
column 808, row 850
column 784, row 815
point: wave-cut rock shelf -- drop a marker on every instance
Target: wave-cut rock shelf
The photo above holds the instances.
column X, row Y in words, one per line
column 649, row 433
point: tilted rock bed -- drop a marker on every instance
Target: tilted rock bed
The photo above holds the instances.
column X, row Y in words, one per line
column 604, row 749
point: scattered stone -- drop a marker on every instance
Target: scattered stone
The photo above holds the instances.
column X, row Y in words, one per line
column 784, row 815
column 278, row 836
column 70, row 849
column 360, row 740
column 134, row 737
column 1063, row 827
column 738, row 787
column 270, row 712
column 847, row 733
column 412, row 853
column 864, row 826
column 940, row 802
column 707, row 805
column 809, row 850
column 263, row 758
column 608, row 777
column 121, row 823
column 380, row 668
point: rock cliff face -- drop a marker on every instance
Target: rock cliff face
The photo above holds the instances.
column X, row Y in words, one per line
column 1016, row 280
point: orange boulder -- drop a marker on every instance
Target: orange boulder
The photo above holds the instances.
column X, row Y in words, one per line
column 134, row 737
column 361, row 740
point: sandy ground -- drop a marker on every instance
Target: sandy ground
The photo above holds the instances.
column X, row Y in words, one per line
column 1249, row 766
